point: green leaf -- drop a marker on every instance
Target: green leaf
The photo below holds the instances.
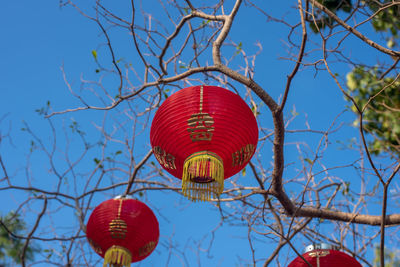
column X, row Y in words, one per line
column 238, row 49
column 390, row 43
column 346, row 188
column 244, row 171
column 308, row 160
column 205, row 22
column 94, row 54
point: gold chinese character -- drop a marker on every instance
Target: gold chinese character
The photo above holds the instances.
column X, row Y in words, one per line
column 95, row 246
column 201, row 124
column 201, row 127
column 147, row 248
column 242, row 155
column 118, row 228
column 166, row 159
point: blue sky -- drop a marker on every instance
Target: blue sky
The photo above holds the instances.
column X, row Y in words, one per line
column 40, row 38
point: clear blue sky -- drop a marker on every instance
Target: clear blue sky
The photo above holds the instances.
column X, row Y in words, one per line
column 39, row 37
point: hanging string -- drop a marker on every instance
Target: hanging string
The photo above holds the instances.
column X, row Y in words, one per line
column 206, row 80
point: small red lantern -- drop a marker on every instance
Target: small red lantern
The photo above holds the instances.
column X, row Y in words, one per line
column 122, row 231
column 323, row 255
column 203, row 135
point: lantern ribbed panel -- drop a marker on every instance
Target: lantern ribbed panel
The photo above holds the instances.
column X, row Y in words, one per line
column 118, row 227
column 327, row 258
column 204, row 118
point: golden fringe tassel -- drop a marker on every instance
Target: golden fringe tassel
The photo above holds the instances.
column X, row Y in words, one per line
column 117, row 256
column 203, row 176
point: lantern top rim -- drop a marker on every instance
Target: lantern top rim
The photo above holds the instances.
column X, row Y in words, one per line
column 315, row 246
column 122, row 197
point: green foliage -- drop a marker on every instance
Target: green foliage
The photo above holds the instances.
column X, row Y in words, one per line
column 346, row 188
column 11, row 247
column 381, row 117
column 98, row 163
column 392, row 258
column 43, row 110
column 386, row 20
column 75, row 127
column 322, row 20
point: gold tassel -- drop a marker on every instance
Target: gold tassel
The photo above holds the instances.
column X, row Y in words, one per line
column 117, row 256
column 203, row 176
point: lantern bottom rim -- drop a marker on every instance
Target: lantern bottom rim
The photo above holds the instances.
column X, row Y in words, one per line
column 202, row 180
column 117, row 255
column 203, row 176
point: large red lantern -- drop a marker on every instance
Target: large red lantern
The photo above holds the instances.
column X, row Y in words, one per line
column 203, row 135
column 323, row 255
column 122, row 231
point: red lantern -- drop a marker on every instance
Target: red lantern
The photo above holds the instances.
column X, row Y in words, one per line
column 122, row 231
column 203, row 135
column 322, row 255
